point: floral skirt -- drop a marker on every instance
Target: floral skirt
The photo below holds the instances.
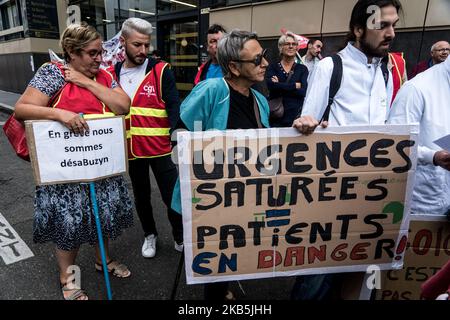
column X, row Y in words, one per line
column 63, row 213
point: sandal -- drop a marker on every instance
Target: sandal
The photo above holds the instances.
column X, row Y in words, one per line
column 116, row 269
column 75, row 295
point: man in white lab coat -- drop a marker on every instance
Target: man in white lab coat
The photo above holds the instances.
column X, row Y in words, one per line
column 426, row 100
column 363, row 98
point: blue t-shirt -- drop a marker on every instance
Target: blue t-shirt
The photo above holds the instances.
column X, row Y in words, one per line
column 214, row 71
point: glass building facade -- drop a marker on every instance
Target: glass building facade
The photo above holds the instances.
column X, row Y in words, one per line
column 180, row 28
column 175, row 26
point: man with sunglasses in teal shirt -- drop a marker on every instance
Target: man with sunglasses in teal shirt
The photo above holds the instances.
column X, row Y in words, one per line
column 228, row 103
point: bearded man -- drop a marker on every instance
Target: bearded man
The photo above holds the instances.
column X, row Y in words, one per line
column 154, row 112
column 363, row 98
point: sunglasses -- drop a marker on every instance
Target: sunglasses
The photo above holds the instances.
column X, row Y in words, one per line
column 258, row 59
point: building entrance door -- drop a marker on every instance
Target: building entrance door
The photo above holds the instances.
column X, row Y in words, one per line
column 179, row 40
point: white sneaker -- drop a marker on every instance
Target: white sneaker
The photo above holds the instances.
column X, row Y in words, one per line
column 149, row 246
column 179, row 247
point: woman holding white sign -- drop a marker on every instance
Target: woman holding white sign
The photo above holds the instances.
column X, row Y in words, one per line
column 63, row 213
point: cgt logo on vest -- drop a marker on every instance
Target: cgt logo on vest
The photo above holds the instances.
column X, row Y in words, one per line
column 149, row 90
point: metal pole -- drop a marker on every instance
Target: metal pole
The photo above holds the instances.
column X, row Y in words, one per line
column 423, row 31
column 100, row 238
column 177, row 277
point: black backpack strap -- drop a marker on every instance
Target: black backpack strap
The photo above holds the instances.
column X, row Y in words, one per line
column 117, row 68
column 335, row 84
column 150, row 64
column 157, row 81
column 385, row 70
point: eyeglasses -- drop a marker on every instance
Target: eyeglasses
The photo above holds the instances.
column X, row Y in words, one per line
column 258, row 59
column 443, row 50
column 290, row 44
column 93, row 53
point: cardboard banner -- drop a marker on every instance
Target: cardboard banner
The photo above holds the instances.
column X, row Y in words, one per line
column 427, row 252
column 268, row 203
column 61, row 156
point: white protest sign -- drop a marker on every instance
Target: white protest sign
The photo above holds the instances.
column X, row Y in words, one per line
column 61, row 156
column 444, row 142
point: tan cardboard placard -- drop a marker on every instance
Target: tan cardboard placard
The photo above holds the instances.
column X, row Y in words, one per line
column 62, row 141
column 266, row 203
column 427, row 252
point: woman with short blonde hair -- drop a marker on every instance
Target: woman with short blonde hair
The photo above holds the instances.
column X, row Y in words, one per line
column 287, row 83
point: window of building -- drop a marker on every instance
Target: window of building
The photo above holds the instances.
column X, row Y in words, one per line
column 13, row 14
column 1, row 22
column 167, row 6
column 180, row 48
column 144, row 9
column 9, row 16
column 107, row 16
column 229, row 3
column 104, row 15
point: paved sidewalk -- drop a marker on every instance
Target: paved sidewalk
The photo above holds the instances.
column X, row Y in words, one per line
column 8, row 100
column 35, row 278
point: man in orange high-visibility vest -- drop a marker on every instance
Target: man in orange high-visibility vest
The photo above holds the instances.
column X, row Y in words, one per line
column 154, row 112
